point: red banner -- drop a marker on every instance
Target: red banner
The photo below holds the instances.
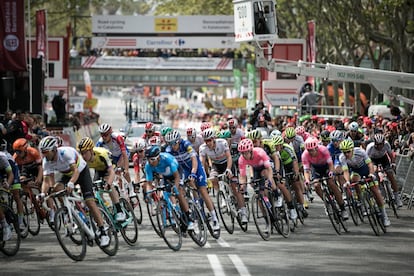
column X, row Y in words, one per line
column 12, row 36
column 311, row 45
column 41, row 33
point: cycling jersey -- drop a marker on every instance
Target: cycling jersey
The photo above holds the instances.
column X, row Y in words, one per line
column 101, row 161
column 115, row 147
column 287, row 155
column 335, row 153
column 28, row 165
column 217, row 155
column 359, row 159
column 375, row 153
column 198, row 141
column 66, row 156
column 260, row 160
column 321, row 159
column 7, row 163
column 269, row 146
column 237, row 136
column 138, row 162
column 298, row 145
column 166, row 167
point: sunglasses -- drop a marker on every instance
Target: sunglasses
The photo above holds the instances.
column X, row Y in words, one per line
column 377, row 145
column 18, row 151
column 232, row 127
column 208, row 140
column 152, row 159
column 346, row 152
column 45, row 151
column 174, row 143
column 148, row 131
column 141, row 151
column 245, row 153
column 105, row 134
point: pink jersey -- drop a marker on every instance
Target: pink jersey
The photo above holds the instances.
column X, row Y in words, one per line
column 260, row 159
column 321, row 158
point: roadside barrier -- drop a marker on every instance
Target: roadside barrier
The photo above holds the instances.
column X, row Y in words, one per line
column 405, row 178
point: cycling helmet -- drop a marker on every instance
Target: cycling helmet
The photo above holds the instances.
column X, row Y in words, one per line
column 245, row 145
column 290, row 132
column 154, row 140
column 278, row 140
column 139, row 145
column 300, row 130
column 307, row 87
column 337, row 136
column 165, row 130
column 275, row 132
column 254, row 134
column 85, row 143
column 346, row 145
column 191, row 132
column 208, row 133
column 353, row 126
column 20, row 144
column 149, row 126
column 379, row 138
column 152, row 151
column 233, row 123
column 3, row 145
column 311, row 143
column 48, row 143
column 226, row 134
column 59, row 141
column 325, row 136
column 205, row 125
column 172, row 137
column 104, row 128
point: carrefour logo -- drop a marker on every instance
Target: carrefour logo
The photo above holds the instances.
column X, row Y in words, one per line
column 180, row 42
column 11, row 42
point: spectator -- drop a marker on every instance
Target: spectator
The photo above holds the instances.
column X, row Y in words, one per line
column 310, row 99
column 59, row 106
column 260, row 112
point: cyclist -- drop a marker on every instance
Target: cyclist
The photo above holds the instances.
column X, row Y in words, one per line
column 290, row 164
column 191, row 168
column 195, row 138
column 98, row 159
column 257, row 158
column 356, row 161
column 325, row 137
column 115, row 144
column 380, row 152
column 150, row 131
column 355, row 134
column 163, row 163
column 237, row 133
column 317, row 162
column 337, row 137
column 301, row 131
column 74, row 169
column 28, row 160
column 256, row 137
column 138, row 159
column 13, row 182
column 164, row 131
column 218, row 152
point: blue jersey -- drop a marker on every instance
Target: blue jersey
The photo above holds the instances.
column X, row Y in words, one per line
column 167, row 166
column 335, row 152
column 183, row 155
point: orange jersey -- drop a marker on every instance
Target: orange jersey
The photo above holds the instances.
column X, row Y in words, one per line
column 32, row 156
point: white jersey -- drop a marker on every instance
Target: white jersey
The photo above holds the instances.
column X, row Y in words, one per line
column 374, row 153
column 235, row 138
column 218, row 154
column 359, row 159
column 197, row 143
column 66, row 156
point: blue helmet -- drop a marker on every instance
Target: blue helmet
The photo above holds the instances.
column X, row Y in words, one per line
column 152, row 151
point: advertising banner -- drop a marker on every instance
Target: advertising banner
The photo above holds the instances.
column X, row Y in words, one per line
column 41, row 33
column 251, row 86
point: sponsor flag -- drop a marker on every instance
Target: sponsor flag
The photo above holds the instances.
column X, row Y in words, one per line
column 12, row 36
column 251, row 86
column 213, row 80
column 237, row 81
column 41, row 33
column 311, row 45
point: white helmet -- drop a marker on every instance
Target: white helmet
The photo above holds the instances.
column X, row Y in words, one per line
column 209, row 134
column 172, row 136
column 275, row 132
column 353, row 126
column 48, row 143
column 139, row 145
column 104, row 128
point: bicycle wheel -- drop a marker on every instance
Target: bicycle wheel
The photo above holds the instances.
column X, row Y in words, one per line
column 136, row 205
column 366, row 201
column 261, row 217
column 226, row 215
column 168, row 223
column 281, row 220
column 70, row 234
column 129, row 227
column 23, row 232
column 378, row 216
column 152, row 214
column 214, row 233
column 390, row 197
column 199, row 234
column 12, row 245
column 331, row 211
column 233, row 202
column 32, row 215
column 351, row 205
column 109, row 226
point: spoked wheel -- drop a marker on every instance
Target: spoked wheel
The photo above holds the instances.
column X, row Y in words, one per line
column 23, row 232
column 242, row 225
column 169, row 225
column 70, row 234
column 390, row 198
column 352, row 207
column 261, row 217
column 136, row 205
column 33, row 218
column 331, row 211
column 226, row 215
column 129, row 227
column 109, row 227
column 152, row 214
column 371, row 214
column 281, row 221
column 379, row 217
column 199, row 234
column 214, row 233
column 12, row 245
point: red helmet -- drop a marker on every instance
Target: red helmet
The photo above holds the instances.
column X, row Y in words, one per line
column 300, row 130
column 245, row 145
column 191, row 132
column 311, row 143
column 205, row 125
column 149, row 126
column 233, row 123
column 154, row 140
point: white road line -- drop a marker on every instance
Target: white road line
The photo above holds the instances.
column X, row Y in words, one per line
column 411, row 230
column 215, row 265
column 238, row 263
column 207, row 245
column 222, row 242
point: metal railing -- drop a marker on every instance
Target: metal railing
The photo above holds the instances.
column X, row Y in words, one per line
column 405, row 178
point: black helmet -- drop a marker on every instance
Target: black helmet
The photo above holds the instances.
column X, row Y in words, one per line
column 152, row 151
column 325, row 136
column 307, row 87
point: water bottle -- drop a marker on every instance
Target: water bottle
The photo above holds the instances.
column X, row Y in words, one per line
column 266, row 200
column 82, row 216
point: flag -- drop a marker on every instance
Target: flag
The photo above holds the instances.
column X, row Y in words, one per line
column 237, row 82
column 251, row 86
column 213, row 80
column 311, row 45
column 12, row 36
column 41, row 39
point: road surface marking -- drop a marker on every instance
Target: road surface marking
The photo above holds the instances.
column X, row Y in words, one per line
column 222, row 242
column 216, row 265
column 238, row 263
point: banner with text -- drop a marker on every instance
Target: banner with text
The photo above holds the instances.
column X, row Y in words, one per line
column 251, row 86
column 12, row 36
